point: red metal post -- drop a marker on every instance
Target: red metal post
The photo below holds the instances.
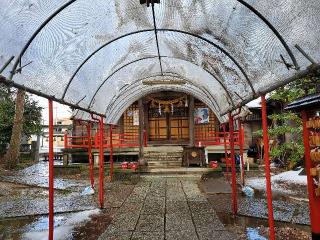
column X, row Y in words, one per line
column 51, row 183
column 111, row 153
column 241, row 141
column 314, row 202
column 65, row 139
column 144, row 138
column 267, row 166
column 101, row 164
column 90, row 155
column 225, row 150
column 233, row 167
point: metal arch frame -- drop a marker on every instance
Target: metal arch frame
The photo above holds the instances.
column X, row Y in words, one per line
column 225, row 52
column 134, row 85
column 207, row 93
column 200, row 91
column 153, row 57
column 60, row 9
column 124, row 87
column 163, row 74
column 151, row 90
column 35, row 34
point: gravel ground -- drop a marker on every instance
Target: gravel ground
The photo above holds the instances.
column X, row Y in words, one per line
column 292, row 216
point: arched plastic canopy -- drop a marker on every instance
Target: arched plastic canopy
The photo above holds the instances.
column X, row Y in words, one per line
column 215, row 78
column 82, row 53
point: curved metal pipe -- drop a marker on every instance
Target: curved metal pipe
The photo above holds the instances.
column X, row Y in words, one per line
column 153, row 57
column 156, row 89
column 112, row 102
column 24, row 49
column 162, row 30
column 64, row 6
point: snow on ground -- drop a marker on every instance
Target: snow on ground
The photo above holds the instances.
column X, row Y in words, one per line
column 63, row 226
column 279, row 181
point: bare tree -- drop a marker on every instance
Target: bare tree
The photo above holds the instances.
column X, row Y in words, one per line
column 12, row 155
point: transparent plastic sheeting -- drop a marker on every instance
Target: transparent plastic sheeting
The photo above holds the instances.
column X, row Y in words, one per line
column 87, row 50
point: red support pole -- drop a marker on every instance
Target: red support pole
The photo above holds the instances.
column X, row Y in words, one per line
column 233, row 167
column 241, row 141
column 225, row 150
column 51, row 183
column 314, row 202
column 65, row 139
column 90, row 155
column 111, row 153
column 267, row 166
column 144, row 138
column 101, row 164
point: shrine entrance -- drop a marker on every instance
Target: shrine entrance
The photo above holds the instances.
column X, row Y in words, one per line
column 169, row 127
column 168, row 118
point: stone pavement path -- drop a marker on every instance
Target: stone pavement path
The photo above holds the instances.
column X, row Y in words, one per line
column 166, row 208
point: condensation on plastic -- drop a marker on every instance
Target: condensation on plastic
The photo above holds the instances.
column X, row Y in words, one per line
column 187, row 32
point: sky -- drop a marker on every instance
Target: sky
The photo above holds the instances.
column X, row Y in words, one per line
column 59, row 110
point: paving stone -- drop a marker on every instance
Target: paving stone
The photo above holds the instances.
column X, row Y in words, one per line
column 178, row 221
column 189, row 234
column 147, row 236
column 166, row 204
column 124, row 222
column 200, row 207
column 130, row 207
column 207, row 220
column 150, row 223
column 155, row 207
column 213, row 234
column 116, row 236
column 177, row 207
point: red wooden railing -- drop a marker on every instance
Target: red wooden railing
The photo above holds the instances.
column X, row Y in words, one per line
column 215, row 138
column 127, row 140
column 119, row 140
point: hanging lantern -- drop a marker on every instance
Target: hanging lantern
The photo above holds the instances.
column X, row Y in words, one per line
column 186, row 102
column 159, row 109
column 172, row 108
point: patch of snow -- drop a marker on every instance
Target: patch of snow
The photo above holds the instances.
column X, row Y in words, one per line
column 289, row 177
column 292, row 177
column 63, row 226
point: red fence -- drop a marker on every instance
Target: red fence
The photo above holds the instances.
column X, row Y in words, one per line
column 127, row 140
column 118, row 141
column 215, row 138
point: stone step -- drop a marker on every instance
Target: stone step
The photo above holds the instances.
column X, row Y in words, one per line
column 169, row 163
column 162, row 149
column 173, row 154
column 161, row 159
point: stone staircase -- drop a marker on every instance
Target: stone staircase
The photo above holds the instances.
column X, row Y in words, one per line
column 163, row 157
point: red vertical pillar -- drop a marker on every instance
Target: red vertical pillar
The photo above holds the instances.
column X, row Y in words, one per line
column 241, row 141
column 233, row 167
column 101, row 164
column 314, row 202
column 267, row 166
column 144, row 138
column 90, row 155
column 225, row 149
column 111, row 153
column 51, row 183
